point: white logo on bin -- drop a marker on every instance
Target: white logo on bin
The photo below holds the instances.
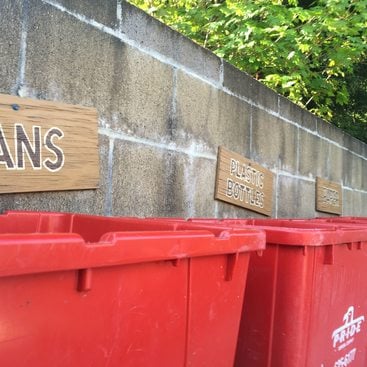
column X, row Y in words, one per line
column 344, row 335
column 347, row 359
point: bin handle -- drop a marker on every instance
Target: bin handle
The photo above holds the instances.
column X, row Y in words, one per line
column 84, row 283
column 329, row 255
column 232, row 260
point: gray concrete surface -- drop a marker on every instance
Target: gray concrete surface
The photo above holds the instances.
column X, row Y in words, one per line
column 12, row 21
column 165, row 104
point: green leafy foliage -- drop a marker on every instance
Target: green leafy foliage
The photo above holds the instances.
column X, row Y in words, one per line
column 353, row 116
column 306, row 50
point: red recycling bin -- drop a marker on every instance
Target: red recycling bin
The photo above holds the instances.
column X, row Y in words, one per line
column 80, row 290
column 306, row 296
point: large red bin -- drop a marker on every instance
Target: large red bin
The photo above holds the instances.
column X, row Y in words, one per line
column 80, row 290
column 306, row 296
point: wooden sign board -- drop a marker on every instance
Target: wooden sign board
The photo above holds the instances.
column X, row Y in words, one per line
column 328, row 196
column 243, row 183
column 46, row 146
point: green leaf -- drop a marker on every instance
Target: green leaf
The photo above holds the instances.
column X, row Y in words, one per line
column 303, row 52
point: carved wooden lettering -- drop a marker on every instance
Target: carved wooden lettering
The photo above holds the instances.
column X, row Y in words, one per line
column 328, row 196
column 243, row 183
column 47, row 146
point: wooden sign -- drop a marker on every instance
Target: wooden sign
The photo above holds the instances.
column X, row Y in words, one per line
column 243, row 183
column 46, row 146
column 328, row 196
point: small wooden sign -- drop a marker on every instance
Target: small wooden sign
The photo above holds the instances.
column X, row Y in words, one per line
column 243, row 183
column 47, row 146
column 328, row 196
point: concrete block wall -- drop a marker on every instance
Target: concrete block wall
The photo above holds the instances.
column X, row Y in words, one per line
column 165, row 105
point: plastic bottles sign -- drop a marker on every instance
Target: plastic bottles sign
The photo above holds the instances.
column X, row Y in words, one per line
column 243, row 183
column 47, row 146
column 328, row 196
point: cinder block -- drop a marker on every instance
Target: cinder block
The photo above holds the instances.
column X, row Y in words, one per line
column 352, row 170
column 297, row 114
column 264, row 127
column 236, row 81
column 194, row 181
column 357, row 208
column 274, row 142
column 335, row 170
column 348, row 202
column 363, row 204
column 199, row 184
column 154, row 35
column 245, row 85
column 264, row 96
column 364, row 175
column 359, row 200
column 329, row 131
column 290, row 110
column 11, row 14
column 306, row 207
column 146, row 181
column 144, row 103
column 354, row 203
column 75, row 63
column 287, row 197
column 309, row 120
column 81, row 201
column 296, row 198
column 313, row 155
column 355, row 145
column 70, row 61
column 102, row 11
column 210, row 116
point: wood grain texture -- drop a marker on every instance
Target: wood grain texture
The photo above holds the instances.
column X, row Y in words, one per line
column 67, row 156
column 244, row 183
column 328, row 196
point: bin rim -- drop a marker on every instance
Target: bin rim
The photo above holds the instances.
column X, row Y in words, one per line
column 217, row 232
column 24, row 253
column 314, row 234
column 319, row 235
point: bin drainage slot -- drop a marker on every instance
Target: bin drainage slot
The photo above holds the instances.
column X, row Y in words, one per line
column 84, row 280
column 231, row 264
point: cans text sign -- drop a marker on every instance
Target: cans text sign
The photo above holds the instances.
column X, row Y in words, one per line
column 328, row 196
column 243, row 183
column 47, row 146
